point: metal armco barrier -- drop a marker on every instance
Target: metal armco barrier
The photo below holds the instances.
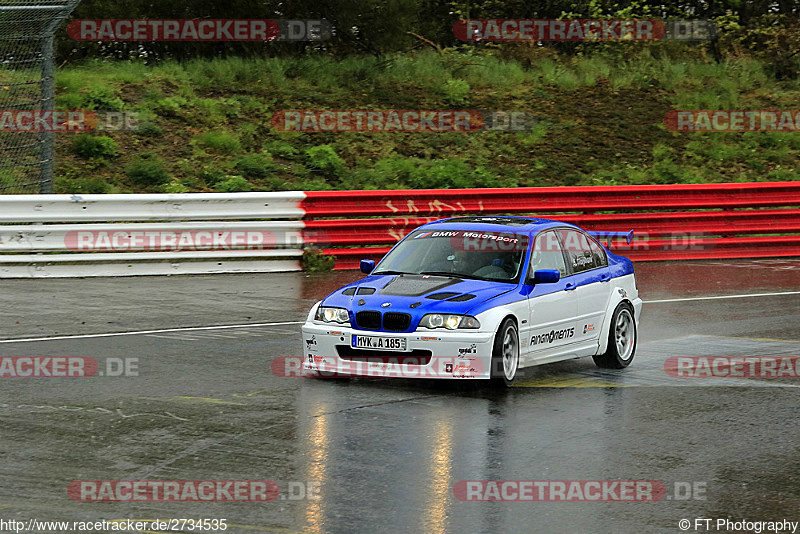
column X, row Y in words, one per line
column 672, row 222
column 119, row 235
column 175, row 207
column 538, row 200
column 125, row 235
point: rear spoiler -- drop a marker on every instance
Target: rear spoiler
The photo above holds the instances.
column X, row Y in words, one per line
column 606, row 236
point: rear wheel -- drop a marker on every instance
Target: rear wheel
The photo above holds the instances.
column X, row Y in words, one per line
column 505, row 354
column 622, row 337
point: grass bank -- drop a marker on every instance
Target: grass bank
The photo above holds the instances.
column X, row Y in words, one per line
column 206, row 123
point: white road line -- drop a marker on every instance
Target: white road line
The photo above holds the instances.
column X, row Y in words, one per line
column 205, row 335
column 174, row 337
column 141, row 332
column 724, row 297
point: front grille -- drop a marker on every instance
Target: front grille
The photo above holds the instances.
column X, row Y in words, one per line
column 396, row 322
column 370, row 320
column 414, row 357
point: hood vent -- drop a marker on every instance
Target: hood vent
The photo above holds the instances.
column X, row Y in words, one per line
column 415, row 286
column 441, row 296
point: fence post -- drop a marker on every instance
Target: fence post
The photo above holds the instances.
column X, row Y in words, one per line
column 48, row 152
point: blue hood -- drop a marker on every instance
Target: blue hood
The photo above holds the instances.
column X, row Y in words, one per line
column 416, row 295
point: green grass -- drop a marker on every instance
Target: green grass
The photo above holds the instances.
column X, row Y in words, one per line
column 220, row 142
column 600, row 121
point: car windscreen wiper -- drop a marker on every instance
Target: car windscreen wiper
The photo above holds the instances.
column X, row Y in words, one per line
column 457, row 275
column 390, row 272
column 468, row 276
column 442, row 273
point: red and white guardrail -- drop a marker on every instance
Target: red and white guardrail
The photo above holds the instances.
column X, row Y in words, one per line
column 112, row 235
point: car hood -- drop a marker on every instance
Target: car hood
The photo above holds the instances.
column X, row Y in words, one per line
column 416, row 295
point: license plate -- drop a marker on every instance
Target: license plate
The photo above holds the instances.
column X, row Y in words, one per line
column 378, row 343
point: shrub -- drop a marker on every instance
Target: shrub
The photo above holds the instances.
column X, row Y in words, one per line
column 7, row 180
column 255, row 165
column 70, row 101
column 233, row 184
column 324, row 159
column 314, row 260
column 89, row 146
column 103, row 98
column 211, row 174
column 148, row 129
column 223, row 142
column 147, row 170
column 282, row 149
column 455, row 92
column 175, row 187
column 171, row 106
column 83, row 185
column 447, row 173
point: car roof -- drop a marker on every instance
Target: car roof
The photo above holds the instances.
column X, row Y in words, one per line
column 495, row 223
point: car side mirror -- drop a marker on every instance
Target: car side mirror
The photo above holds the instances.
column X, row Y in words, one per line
column 367, row 266
column 546, row 276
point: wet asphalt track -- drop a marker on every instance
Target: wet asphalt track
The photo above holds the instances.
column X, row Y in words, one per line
column 385, row 453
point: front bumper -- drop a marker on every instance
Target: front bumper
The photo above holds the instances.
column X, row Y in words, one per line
column 428, row 354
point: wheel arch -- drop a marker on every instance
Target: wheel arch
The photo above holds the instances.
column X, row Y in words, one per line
column 509, row 315
column 618, row 297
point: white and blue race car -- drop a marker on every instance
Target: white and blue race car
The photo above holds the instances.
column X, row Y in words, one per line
column 481, row 298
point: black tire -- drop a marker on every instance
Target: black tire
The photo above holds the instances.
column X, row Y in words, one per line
column 506, row 342
column 622, row 329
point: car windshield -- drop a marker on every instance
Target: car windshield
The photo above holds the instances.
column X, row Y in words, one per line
column 495, row 256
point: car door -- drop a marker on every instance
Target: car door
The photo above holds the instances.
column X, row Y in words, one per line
column 588, row 280
column 552, row 306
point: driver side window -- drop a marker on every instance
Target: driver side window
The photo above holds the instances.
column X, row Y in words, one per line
column 547, row 253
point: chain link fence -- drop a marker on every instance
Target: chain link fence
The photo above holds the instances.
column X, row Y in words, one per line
column 27, row 82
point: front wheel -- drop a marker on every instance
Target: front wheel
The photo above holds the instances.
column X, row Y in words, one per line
column 505, row 354
column 621, row 340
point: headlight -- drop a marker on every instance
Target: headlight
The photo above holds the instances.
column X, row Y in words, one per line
column 451, row 322
column 332, row 315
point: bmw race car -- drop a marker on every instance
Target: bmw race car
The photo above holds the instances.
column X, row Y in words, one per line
column 481, row 298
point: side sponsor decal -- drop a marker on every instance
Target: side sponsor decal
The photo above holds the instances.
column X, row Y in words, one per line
column 552, row 335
